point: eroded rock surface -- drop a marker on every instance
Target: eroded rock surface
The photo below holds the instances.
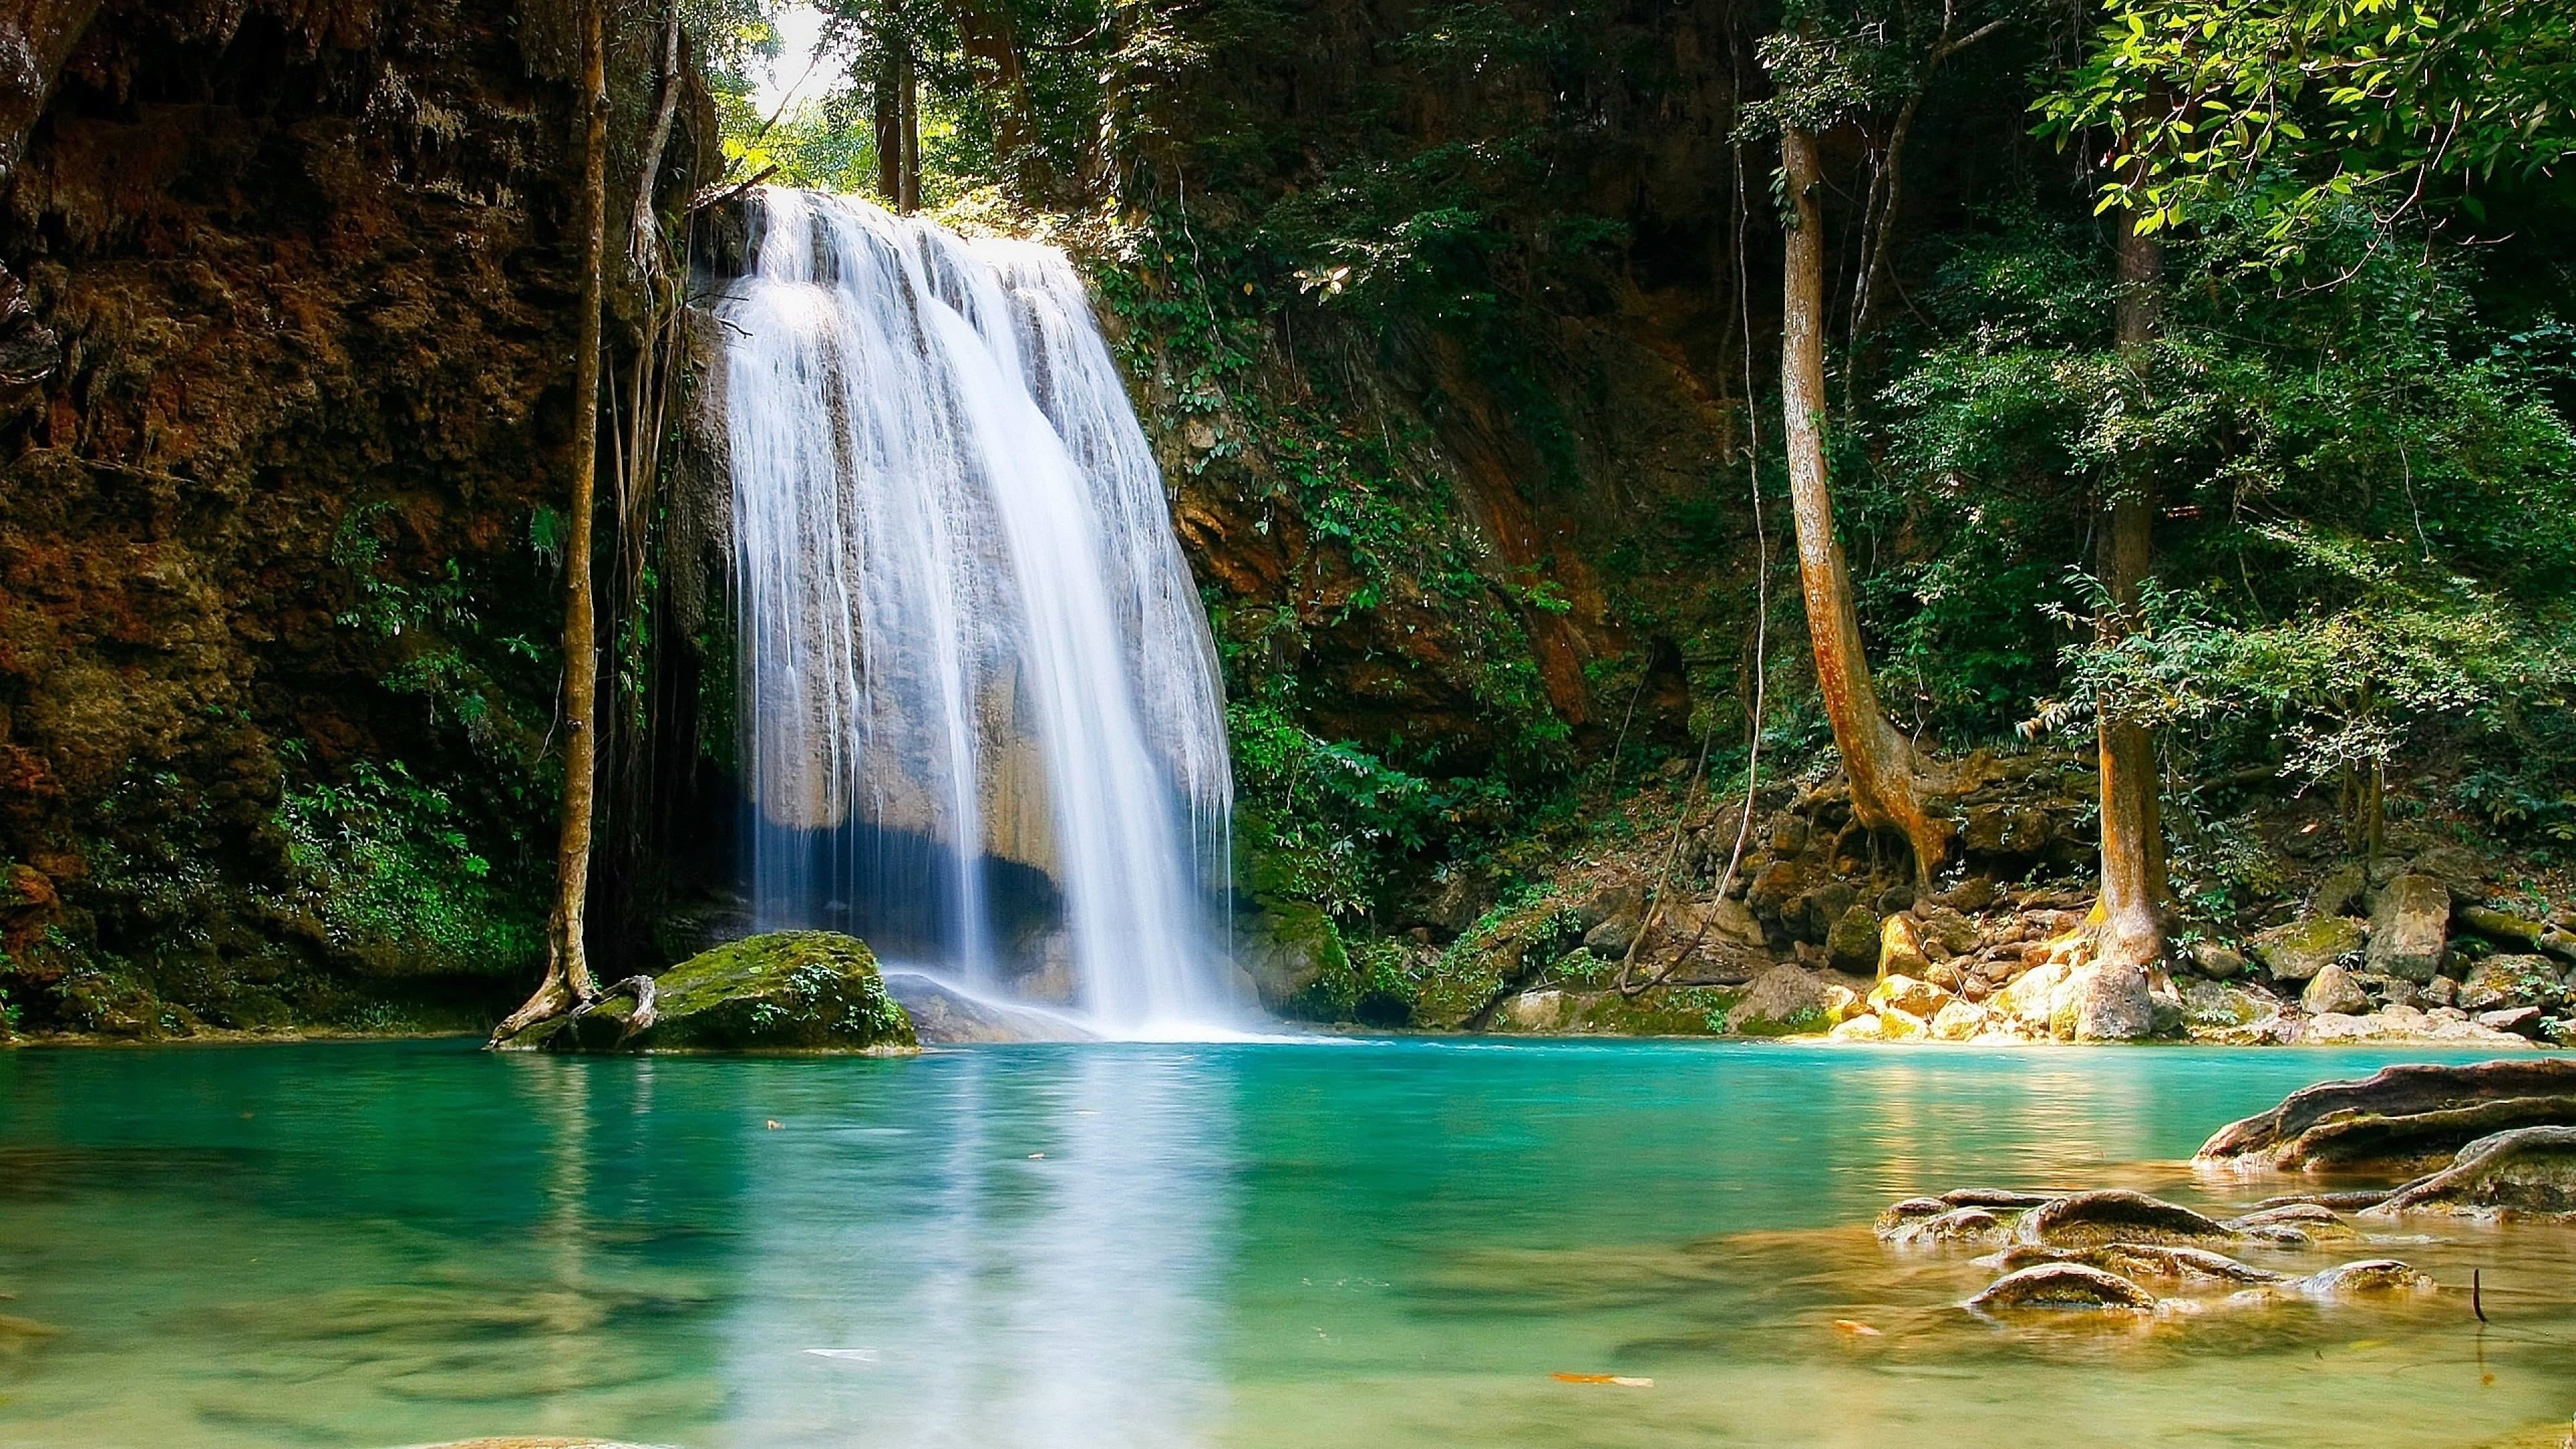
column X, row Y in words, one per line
column 2400, row 1116
column 2062, row 1285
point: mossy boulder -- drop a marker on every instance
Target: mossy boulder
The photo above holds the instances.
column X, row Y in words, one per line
column 808, row 991
column 2298, row 951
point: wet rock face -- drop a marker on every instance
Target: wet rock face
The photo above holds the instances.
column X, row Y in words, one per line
column 307, row 271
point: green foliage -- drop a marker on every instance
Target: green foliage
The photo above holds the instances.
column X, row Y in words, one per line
column 1322, row 818
column 385, row 864
column 2298, row 106
column 2385, row 496
column 1373, row 981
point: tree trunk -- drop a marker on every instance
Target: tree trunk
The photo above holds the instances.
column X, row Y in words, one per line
column 2133, row 843
column 898, row 130
column 889, row 126
column 642, row 257
column 908, row 199
column 568, row 980
column 1886, row 774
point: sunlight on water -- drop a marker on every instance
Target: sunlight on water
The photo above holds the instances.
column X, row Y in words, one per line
column 1247, row 1245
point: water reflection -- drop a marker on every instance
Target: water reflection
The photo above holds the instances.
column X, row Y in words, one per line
column 1036, row 1263
column 1254, row 1247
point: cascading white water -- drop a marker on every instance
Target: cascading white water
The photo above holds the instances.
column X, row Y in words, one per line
column 970, row 647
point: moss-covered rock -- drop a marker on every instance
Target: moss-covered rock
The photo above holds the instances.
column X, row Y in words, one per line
column 2301, row 949
column 813, row 991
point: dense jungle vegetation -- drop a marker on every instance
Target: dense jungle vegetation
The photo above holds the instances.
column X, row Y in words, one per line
column 2350, row 416
column 1460, row 326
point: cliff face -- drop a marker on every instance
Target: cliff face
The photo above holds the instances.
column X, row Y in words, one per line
column 277, row 597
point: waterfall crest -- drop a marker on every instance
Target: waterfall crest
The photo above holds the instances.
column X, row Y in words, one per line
column 981, row 720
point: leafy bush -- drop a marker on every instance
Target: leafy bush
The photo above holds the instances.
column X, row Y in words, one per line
column 384, row 863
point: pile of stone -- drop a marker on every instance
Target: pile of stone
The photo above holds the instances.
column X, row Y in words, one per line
column 2112, row 1250
column 2375, row 956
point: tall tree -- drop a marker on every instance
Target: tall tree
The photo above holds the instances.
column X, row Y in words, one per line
column 2131, row 907
column 1890, row 779
column 568, row 982
column 898, row 124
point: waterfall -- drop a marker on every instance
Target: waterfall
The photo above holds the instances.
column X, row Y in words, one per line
column 981, row 720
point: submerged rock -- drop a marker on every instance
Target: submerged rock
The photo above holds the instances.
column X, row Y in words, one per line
column 2062, row 1285
column 2140, row 1260
column 2117, row 1215
column 2303, row 1222
column 1958, row 1225
column 784, row 991
column 2365, row 1278
column 2527, row 1170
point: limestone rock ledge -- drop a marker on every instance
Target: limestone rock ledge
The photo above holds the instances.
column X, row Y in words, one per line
column 787, row 991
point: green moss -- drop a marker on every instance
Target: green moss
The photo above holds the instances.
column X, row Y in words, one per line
column 784, row 991
column 1805, row 1021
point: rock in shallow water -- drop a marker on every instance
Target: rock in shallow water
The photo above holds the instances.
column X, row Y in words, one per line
column 2527, row 1170
column 784, row 991
column 2062, row 1285
column 2109, row 1215
column 2140, row 1260
column 2401, row 1115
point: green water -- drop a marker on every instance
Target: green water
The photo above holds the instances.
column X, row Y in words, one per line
column 1256, row 1245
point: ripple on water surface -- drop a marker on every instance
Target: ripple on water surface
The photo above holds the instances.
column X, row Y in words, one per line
column 1256, row 1245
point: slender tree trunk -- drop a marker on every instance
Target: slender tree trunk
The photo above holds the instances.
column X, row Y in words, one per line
column 568, row 979
column 908, row 91
column 1886, row 774
column 2133, row 842
column 898, row 130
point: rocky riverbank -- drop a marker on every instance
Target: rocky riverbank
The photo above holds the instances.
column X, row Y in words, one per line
column 1818, row 930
